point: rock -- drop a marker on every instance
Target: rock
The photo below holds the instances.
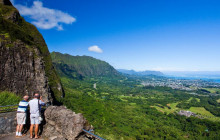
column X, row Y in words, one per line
column 62, row 124
column 5, row 2
column 25, row 61
column 7, row 123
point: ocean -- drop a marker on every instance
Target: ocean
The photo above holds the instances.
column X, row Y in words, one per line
column 217, row 80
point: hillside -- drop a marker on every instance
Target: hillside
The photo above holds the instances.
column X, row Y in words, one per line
column 140, row 73
column 82, row 66
column 25, row 62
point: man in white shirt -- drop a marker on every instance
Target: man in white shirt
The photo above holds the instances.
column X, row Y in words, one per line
column 35, row 106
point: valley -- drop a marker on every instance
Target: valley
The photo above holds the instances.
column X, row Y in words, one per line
column 120, row 107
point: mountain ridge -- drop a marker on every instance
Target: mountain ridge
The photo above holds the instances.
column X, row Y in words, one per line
column 140, row 73
column 82, row 66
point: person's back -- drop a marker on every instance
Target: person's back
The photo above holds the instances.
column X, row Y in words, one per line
column 22, row 106
column 21, row 115
column 35, row 106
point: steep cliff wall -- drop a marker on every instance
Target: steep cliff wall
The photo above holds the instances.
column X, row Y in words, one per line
column 25, row 62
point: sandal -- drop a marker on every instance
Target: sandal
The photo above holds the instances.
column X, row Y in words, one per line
column 37, row 137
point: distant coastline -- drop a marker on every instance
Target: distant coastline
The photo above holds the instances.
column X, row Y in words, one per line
column 213, row 79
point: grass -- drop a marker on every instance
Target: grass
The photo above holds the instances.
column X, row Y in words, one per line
column 201, row 111
column 190, row 99
column 197, row 99
column 212, row 90
column 172, row 109
column 198, row 110
column 8, row 98
column 204, row 113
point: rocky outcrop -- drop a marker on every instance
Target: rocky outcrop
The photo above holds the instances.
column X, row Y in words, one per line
column 22, row 70
column 25, row 62
column 62, row 124
column 7, row 123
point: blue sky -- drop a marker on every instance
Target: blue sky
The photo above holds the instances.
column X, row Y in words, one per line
column 171, row 35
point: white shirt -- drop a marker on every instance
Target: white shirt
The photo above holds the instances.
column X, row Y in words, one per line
column 34, row 107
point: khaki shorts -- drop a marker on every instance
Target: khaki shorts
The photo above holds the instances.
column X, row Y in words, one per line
column 21, row 118
column 35, row 119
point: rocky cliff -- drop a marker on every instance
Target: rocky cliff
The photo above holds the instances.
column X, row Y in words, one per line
column 25, row 62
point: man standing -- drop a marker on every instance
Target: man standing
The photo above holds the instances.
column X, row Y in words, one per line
column 21, row 115
column 35, row 106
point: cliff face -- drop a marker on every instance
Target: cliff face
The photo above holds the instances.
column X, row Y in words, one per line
column 25, row 62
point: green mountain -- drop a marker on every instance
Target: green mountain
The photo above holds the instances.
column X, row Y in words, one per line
column 141, row 73
column 82, row 66
column 25, row 62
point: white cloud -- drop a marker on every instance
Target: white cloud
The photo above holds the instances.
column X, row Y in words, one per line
column 95, row 49
column 45, row 18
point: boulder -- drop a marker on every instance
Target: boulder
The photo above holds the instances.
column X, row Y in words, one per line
column 62, row 124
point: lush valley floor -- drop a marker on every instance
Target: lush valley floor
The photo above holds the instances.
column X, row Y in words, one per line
column 123, row 109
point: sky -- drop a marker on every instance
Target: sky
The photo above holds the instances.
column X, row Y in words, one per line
column 164, row 35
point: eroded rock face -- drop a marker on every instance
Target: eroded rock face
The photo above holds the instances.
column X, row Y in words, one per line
column 22, row 70
column 62, row 123
column 25, row 62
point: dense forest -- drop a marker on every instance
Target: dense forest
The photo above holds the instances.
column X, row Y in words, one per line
column 119, row 107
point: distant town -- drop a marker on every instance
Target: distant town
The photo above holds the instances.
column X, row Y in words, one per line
column 182, row 84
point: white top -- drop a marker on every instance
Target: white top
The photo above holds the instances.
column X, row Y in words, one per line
column 34, row 108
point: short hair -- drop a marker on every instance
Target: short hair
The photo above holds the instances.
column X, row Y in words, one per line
column 26, row 97
column 37, row 95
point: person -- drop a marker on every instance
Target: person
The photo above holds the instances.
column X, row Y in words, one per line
column 21, row 115
column 35, row 108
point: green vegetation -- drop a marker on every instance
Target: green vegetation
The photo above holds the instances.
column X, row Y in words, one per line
column 204, row 113
column 8, row 98
column 213, row 90
column 120, row 108
column 82, row 66
column 170, row 108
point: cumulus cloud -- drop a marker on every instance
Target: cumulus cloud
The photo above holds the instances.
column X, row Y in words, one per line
column 45, row 18
column 95, row 49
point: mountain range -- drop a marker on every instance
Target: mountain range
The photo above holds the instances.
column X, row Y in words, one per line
column 140, row 73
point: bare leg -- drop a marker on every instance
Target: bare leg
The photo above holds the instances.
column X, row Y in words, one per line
column 31, row 130
column 17, row 128
column 36, row 130
column 20, row 128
